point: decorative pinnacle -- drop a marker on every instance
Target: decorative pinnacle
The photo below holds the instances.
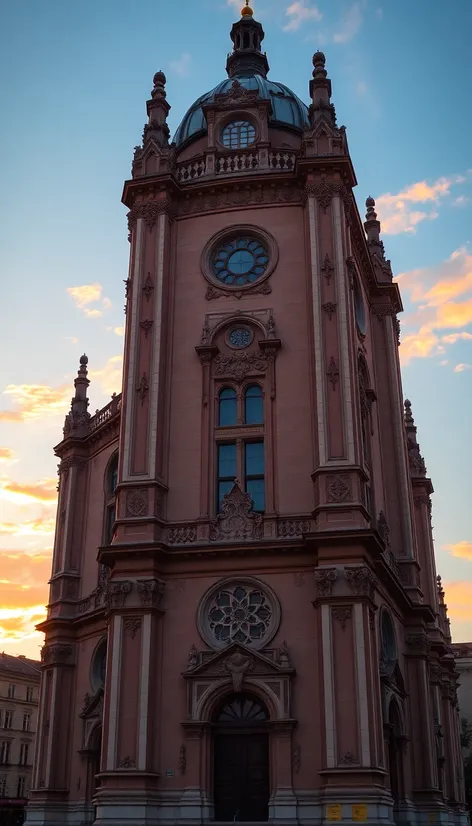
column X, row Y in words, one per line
column 159, row 81
column 319, row 61
column 371, row 214
column 246, row 11
column 408, row 414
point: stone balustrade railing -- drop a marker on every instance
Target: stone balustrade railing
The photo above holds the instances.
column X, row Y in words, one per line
column 233, row 163
column 106, row 413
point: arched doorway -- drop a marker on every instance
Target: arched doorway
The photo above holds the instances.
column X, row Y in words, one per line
column 241, row 759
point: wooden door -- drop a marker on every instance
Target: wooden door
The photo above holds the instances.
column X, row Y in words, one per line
column 241, row 776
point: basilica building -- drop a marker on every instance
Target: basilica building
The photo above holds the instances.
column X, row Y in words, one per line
column 244, row 621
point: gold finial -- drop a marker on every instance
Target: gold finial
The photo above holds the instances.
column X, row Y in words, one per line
column 246, row 11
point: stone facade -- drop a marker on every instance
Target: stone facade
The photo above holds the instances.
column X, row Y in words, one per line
column 244, row 619
column 19, row 697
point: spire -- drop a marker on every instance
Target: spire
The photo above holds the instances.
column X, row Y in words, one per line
column 376, row 246
column 158, row 110
column 76, row 422
column 247, row 35
column 415, row 459
column 320, row 92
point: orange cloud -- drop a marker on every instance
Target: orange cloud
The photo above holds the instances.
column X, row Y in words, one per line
column 33, row 527
column 43, row 491
column 459, row 600
column 432, row 290
column 25, row 592
column 7, row 456
column 119, row 331
column 86, row 294
column 92, row 313
column 461, row 549
column 397, row 212
column 35, row 400
column 110, row 376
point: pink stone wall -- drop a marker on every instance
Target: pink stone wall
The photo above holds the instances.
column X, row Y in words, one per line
column 94, row 517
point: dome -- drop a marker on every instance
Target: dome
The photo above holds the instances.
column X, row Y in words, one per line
column 287, row 109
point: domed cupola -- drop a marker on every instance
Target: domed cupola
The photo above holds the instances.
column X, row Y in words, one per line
column 247, row 65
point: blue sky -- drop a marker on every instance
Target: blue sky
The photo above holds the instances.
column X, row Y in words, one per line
column 74, row 81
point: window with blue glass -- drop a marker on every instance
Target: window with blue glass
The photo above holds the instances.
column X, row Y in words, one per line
column 254, row 481
column 227, row 470
column 240, row 261
column 253, row 405
column 239, row 134
column 227, row 407
column 110, row 485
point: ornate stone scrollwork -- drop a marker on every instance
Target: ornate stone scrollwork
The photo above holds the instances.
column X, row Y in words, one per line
column 237, row 519
column 327, row 269
column 333, row 372
column 132, row 626
column 127, row 763
column 57, row 654
column 150, row 592
column 238, row 665
column 324, row 581
column 338, row 488
column 361, row 580
column 342, row 613
column 117, row 593
column 238, row 365
column 291, row 528
column 137, row 502
column 330, row 308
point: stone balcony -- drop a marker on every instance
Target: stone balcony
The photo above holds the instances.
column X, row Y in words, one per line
column 213, row 165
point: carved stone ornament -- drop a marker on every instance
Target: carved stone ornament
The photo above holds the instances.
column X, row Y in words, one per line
column 415, row 459
column 238, row 365
column 137, row 502
column 333, row 372
column 132, row 626
column 149, row 213
column 351, row 271
column 148, row 286
column 182, row 535
column 150, row 592
column 349, row 760
column 146, row 326
column 338, row 488
column 239, row 196
column 143, row 388
column 237, row 519
column 418, row 643
column 291, row 528
column 383, row 530
column 70, row 461
column 238, row 665
column 117, row 592
column 127, row 763
column 324, row 581
column 263, row 288
column 342, row 614
column 283, row 657
column 325, row 191
column 192, row 661
column 57, row 654
column 183, row 759
column 361, row 580
column 296, row 759
column 237, row 95
column 327, row 269
column 330, row 308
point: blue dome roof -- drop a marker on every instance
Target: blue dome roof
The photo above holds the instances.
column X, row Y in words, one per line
column 287, row 108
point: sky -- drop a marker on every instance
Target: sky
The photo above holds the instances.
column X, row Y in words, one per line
column 74, row 79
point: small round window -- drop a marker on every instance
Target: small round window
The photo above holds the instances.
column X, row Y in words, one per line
column 238, row 134
column 240, row 261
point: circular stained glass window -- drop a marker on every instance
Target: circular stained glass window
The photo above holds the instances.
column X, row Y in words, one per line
column 240, row 261
column 238, row 134
column 240, row 337
column 246, row 612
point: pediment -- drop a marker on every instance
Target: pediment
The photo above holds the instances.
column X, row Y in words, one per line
column 93, row 704
column 239, row 659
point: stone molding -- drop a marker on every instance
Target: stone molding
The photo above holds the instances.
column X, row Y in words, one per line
column 361, row 580
column 117, row 593
column 57, row 654
column 151, row 592
column 237, row 519
column 324, row 581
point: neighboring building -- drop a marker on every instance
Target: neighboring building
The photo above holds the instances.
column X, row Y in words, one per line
column 244, row 620
column 19, row 696
column 463, row 655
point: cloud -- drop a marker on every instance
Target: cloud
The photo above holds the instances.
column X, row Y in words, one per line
column 119, row 331
column 34, row 527
column 44, row 491
column 397, row 212
column 110, row 376
column 460, row 201
column 24, row 596
column 459, row 600
column 182, row 65
column 7, row 455
column 350, row 24
column 106, row 303
column 461, row 549
column 86, row 294
column 35, row 400
column 298, row 13
column 459, row 368
column 72, row 339
column 443, row 299
column 92, row 313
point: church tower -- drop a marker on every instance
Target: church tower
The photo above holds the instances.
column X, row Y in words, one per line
column 244, row 621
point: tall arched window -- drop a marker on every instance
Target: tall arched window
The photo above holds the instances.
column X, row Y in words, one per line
column 111, row 482
column 227, row 407
column 253, row 405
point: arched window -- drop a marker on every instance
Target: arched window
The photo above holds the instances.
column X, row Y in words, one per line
column 111, row 481
column 388, row 641
column 242, row 708
column 238, row 134
column 227, row 407
column 253, row 405
column 99, row 665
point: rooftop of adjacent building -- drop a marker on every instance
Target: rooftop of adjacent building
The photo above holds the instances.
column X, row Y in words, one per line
column 19, row 666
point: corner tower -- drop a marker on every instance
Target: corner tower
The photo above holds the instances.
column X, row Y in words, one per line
column 255, row 632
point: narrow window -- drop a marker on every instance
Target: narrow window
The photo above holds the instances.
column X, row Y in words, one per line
column 21, row 787
column 29, row 694
column 226, row 470
column 3, row 786
column 253, row 405
column 11, row 691
column 4, row 752
column 254, row 473
column 26, row 722
column 110, row 483
column 24, row 748
column 227, row 407
column 8, row 719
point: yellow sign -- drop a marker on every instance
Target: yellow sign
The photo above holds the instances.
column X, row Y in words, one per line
column 334, row 812
column 359, row 812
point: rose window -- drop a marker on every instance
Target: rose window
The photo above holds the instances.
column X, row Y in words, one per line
column 240, row 261
column 244, row 611
column 240, row 337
